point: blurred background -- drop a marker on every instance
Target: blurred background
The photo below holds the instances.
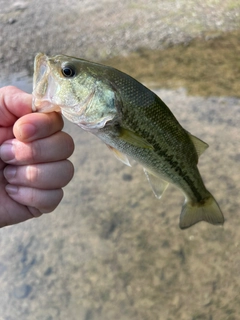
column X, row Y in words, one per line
column 111, row 250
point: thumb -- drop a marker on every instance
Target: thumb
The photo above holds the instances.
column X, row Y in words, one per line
column 14, row 103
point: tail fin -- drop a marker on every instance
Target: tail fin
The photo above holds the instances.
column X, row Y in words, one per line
column 208, row 210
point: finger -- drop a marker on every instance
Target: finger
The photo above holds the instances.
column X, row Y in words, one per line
column 57, row 147
column 2, row 166
column 18, row 213
column 43, row 200
column 14, row 103
column 51, row 175
column 37, row 125
column 6, row 134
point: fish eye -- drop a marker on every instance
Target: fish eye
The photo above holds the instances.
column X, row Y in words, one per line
column 68, row 71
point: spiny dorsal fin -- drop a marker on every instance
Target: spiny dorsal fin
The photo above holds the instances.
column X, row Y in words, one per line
column 119, row 155
column 199, row 145
column 158, row 185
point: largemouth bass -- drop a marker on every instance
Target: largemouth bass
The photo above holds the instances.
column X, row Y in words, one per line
column 132, row 121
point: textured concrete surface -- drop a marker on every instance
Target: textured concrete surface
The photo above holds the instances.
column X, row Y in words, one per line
column 98, row 29
column 113, row 251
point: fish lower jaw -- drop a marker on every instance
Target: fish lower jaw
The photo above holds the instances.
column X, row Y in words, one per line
column 44, row 106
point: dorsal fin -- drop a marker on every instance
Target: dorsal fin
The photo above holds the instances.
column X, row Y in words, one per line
column 199, row 145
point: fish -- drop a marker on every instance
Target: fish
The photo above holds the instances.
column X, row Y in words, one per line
column 132, row 121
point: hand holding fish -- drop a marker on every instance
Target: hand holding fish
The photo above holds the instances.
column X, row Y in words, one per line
column 33, row 158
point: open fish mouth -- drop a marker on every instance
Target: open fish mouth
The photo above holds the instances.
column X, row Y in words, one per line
column 38, row 105
column 44, row 87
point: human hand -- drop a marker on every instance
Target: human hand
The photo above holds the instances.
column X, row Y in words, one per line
column 33, row 158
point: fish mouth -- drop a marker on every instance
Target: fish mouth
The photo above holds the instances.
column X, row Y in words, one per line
column 39, row 105
column 44, row 86
column 52, row 93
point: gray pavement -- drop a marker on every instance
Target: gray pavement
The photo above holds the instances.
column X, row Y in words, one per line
column 111, row 250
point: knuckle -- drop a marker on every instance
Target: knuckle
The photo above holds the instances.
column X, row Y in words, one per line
column 32, row 174
column 36, row 151
column 31, row 197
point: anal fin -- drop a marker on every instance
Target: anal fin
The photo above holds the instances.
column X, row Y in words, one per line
column 157, row 184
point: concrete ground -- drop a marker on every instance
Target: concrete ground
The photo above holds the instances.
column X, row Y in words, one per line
column 111, row 250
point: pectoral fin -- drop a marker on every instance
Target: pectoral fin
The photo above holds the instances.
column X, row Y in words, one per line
column 158, row 185
column 119, row 155
column 134, row 139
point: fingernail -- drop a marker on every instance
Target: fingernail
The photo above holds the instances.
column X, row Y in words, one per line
column 7, row 151
column 11, row 190
column 10, row 172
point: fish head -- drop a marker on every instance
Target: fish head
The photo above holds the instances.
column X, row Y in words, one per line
column 75, row 87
